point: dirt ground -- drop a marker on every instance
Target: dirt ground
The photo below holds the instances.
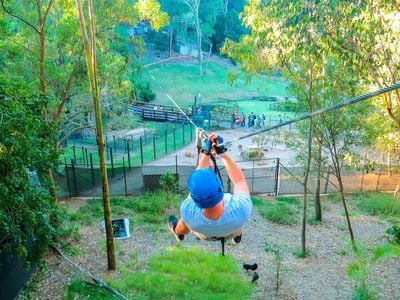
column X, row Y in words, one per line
column 322, row 275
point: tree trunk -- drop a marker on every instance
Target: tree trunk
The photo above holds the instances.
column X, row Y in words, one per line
column 199, row 52
column 90, row 53
column 171, row 35
column 339, row 177
column 305, row 191
column 41, row 63
column 208, row 57
column 318, row 210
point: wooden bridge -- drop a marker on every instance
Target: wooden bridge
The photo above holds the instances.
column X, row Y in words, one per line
column 156, row 112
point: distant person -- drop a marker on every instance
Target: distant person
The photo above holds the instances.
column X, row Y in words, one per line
column 198, row 98
column 233, row 120
column 258, row 122
column 252, row 119
column 280, row 119
column 243, row 120
column 262, row 120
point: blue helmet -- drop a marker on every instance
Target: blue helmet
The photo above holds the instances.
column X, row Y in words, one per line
column 205, row 188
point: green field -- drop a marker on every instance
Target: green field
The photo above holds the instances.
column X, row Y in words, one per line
column 182, row 82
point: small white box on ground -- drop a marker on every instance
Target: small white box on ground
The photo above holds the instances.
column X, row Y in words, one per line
column 120, row 228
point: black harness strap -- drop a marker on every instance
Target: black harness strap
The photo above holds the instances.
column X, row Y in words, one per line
column 222, row 245
column 216, row 169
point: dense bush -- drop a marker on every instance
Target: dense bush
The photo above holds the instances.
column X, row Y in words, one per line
column 26, row 149
column 144, row 92
column 280, row 212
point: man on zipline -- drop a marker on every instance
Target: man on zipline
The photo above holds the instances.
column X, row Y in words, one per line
column 208, row 212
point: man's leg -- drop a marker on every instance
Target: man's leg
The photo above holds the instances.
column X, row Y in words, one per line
column 178, row 228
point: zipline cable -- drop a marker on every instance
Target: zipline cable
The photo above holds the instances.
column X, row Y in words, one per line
column 340, row 104
column 95, row 279
column 172, row 100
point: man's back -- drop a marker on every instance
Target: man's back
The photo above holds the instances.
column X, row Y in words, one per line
column 237, row 210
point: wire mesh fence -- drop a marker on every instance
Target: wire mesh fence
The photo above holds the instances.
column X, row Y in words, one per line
column 264, row 176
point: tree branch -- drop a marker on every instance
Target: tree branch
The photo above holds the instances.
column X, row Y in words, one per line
column 65, row 137
column 18, row 17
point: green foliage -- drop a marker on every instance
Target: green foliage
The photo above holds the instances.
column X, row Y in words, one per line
column 277, row 252
column 380, row 204
column 394, row 234
column 360, row 268
column 176, row 274
column 288, row 199
column 169, row 182
column 149, row 207
column 26, row 149
column 144, row 92
column 297, row 252
column 80, row 287
column 279, row 212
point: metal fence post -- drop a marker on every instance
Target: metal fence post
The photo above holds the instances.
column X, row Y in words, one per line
column 276, row 177
column 67, row 176
column 183, row 134
column 129, row 154
column 92, row 170
column 74, row 152
column 176, row 166
column 87, row 156
column 112, row 162
column 154, row 146
column 114, row 144
column 191, row 132
column 379, row 176
column 123, row 166
column 83, row 156
column 74, row 178
column 165, row 141
column 141, row 150
column 174, row 130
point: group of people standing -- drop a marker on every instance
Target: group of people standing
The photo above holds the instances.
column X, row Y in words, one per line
column 253, row 121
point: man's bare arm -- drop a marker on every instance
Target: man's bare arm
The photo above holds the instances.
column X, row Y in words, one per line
column 236, row 175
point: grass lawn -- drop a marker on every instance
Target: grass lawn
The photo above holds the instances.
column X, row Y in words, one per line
column 182, row 82
column 173, row 273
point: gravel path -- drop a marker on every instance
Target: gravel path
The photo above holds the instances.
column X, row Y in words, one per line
column 319, row 276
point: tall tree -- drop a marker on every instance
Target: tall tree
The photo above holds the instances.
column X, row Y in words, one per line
column 26, row 212
column 60, row 67
column 90, row 53
column 38, row 27
column 288, row 35
column 194, row 6
column 367, row 36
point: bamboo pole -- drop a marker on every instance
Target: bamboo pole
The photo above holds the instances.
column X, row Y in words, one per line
column 90, row 53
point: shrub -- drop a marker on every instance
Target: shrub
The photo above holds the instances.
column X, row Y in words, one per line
column 379, row 204
column 394, row 234
column 169, row 182
column 279, row 212
column 144, row 92
column 360, row 268
column 26, row 147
